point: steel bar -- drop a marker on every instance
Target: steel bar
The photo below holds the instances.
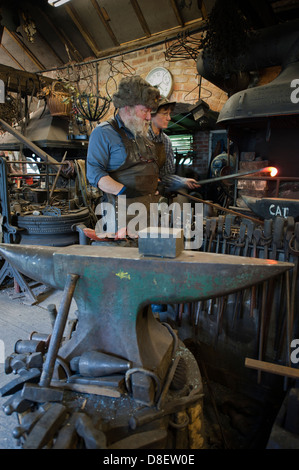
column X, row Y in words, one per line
column 37, row 150
column 232, row 176
column 220, row 208
column 56, row 177
column 58, row 329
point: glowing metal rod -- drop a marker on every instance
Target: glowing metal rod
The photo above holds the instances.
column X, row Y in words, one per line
column 272, row 170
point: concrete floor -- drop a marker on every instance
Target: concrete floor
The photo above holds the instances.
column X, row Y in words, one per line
column 18, row 319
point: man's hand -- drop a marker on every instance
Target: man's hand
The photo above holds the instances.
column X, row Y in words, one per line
column 129, row 192
column 191, row 183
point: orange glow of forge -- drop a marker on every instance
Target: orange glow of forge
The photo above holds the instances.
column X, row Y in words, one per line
column 273, row 171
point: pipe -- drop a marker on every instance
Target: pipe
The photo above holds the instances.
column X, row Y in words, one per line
column 30, row 144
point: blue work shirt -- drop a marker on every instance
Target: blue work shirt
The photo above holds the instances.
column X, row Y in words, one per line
column 106, row 152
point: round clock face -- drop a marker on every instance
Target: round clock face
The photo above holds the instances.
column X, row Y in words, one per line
column 161, row 78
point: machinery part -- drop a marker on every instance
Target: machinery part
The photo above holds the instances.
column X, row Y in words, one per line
column 146, row 374
column 97, row 364
column 151, row 415
column 270, row 207
column 29, row 346
column 50, row 229
column 179, row 377
column 167, row 383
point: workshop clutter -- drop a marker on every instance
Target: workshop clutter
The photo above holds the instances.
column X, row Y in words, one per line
column 269, row 307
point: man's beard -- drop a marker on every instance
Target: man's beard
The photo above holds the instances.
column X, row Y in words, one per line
column 135, row 124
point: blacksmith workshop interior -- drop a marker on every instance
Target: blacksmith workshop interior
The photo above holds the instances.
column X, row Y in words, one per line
column 182, row 334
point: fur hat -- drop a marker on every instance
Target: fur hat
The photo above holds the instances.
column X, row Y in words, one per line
column 135, row 90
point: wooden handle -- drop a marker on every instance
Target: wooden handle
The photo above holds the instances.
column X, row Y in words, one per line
column 272, row 368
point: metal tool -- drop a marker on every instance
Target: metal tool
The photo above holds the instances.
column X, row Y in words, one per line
column 43, row 393
column 109, row 280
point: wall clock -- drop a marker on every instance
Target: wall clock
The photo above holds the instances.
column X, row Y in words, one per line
column 161, row 78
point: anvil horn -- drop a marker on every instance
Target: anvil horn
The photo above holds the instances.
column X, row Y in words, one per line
column 36, row 262
column 115, row 285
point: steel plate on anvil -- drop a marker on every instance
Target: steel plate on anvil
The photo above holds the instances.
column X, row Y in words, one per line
column 269, row 208
column 161, row 241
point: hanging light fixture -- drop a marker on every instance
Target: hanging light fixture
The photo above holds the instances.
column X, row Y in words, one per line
column 57, row 3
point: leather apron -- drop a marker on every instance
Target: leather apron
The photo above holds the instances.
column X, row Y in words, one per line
column 139, row 171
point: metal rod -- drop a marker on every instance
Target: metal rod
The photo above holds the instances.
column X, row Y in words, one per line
column 220, row 208
column 56, row 177
column 58, row 330
column 15, row 162
column 28, row 143
column 233, row 175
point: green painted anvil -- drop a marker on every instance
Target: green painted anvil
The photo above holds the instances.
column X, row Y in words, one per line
column 116, row 285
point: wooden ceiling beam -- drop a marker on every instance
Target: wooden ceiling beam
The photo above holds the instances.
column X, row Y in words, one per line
column 140, row 17
column 85, row 34
column 62, row 36
column 177, row 13
column 50, row 47
column 27, row 51
column 155, row 38
column 12, row 57
column 105, row 22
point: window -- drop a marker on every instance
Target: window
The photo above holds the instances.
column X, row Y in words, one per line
column 183, row 148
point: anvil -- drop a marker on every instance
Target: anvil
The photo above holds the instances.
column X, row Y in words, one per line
column 116, row 286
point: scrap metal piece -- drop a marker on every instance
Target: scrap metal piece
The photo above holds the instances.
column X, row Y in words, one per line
column 67, row 436
column 155, row 439
column 46, row 427
column 16, row 403
column 31, row 375
column 93, row 438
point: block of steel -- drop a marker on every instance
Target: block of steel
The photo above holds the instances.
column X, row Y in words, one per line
column 161, row 241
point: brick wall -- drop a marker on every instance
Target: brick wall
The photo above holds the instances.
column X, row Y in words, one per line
column 185, row 89
column 184, row 72
column 201, row 147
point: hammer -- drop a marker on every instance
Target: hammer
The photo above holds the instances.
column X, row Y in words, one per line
column 43, row 392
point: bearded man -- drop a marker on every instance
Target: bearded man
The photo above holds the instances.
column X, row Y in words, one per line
column 121, row 160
